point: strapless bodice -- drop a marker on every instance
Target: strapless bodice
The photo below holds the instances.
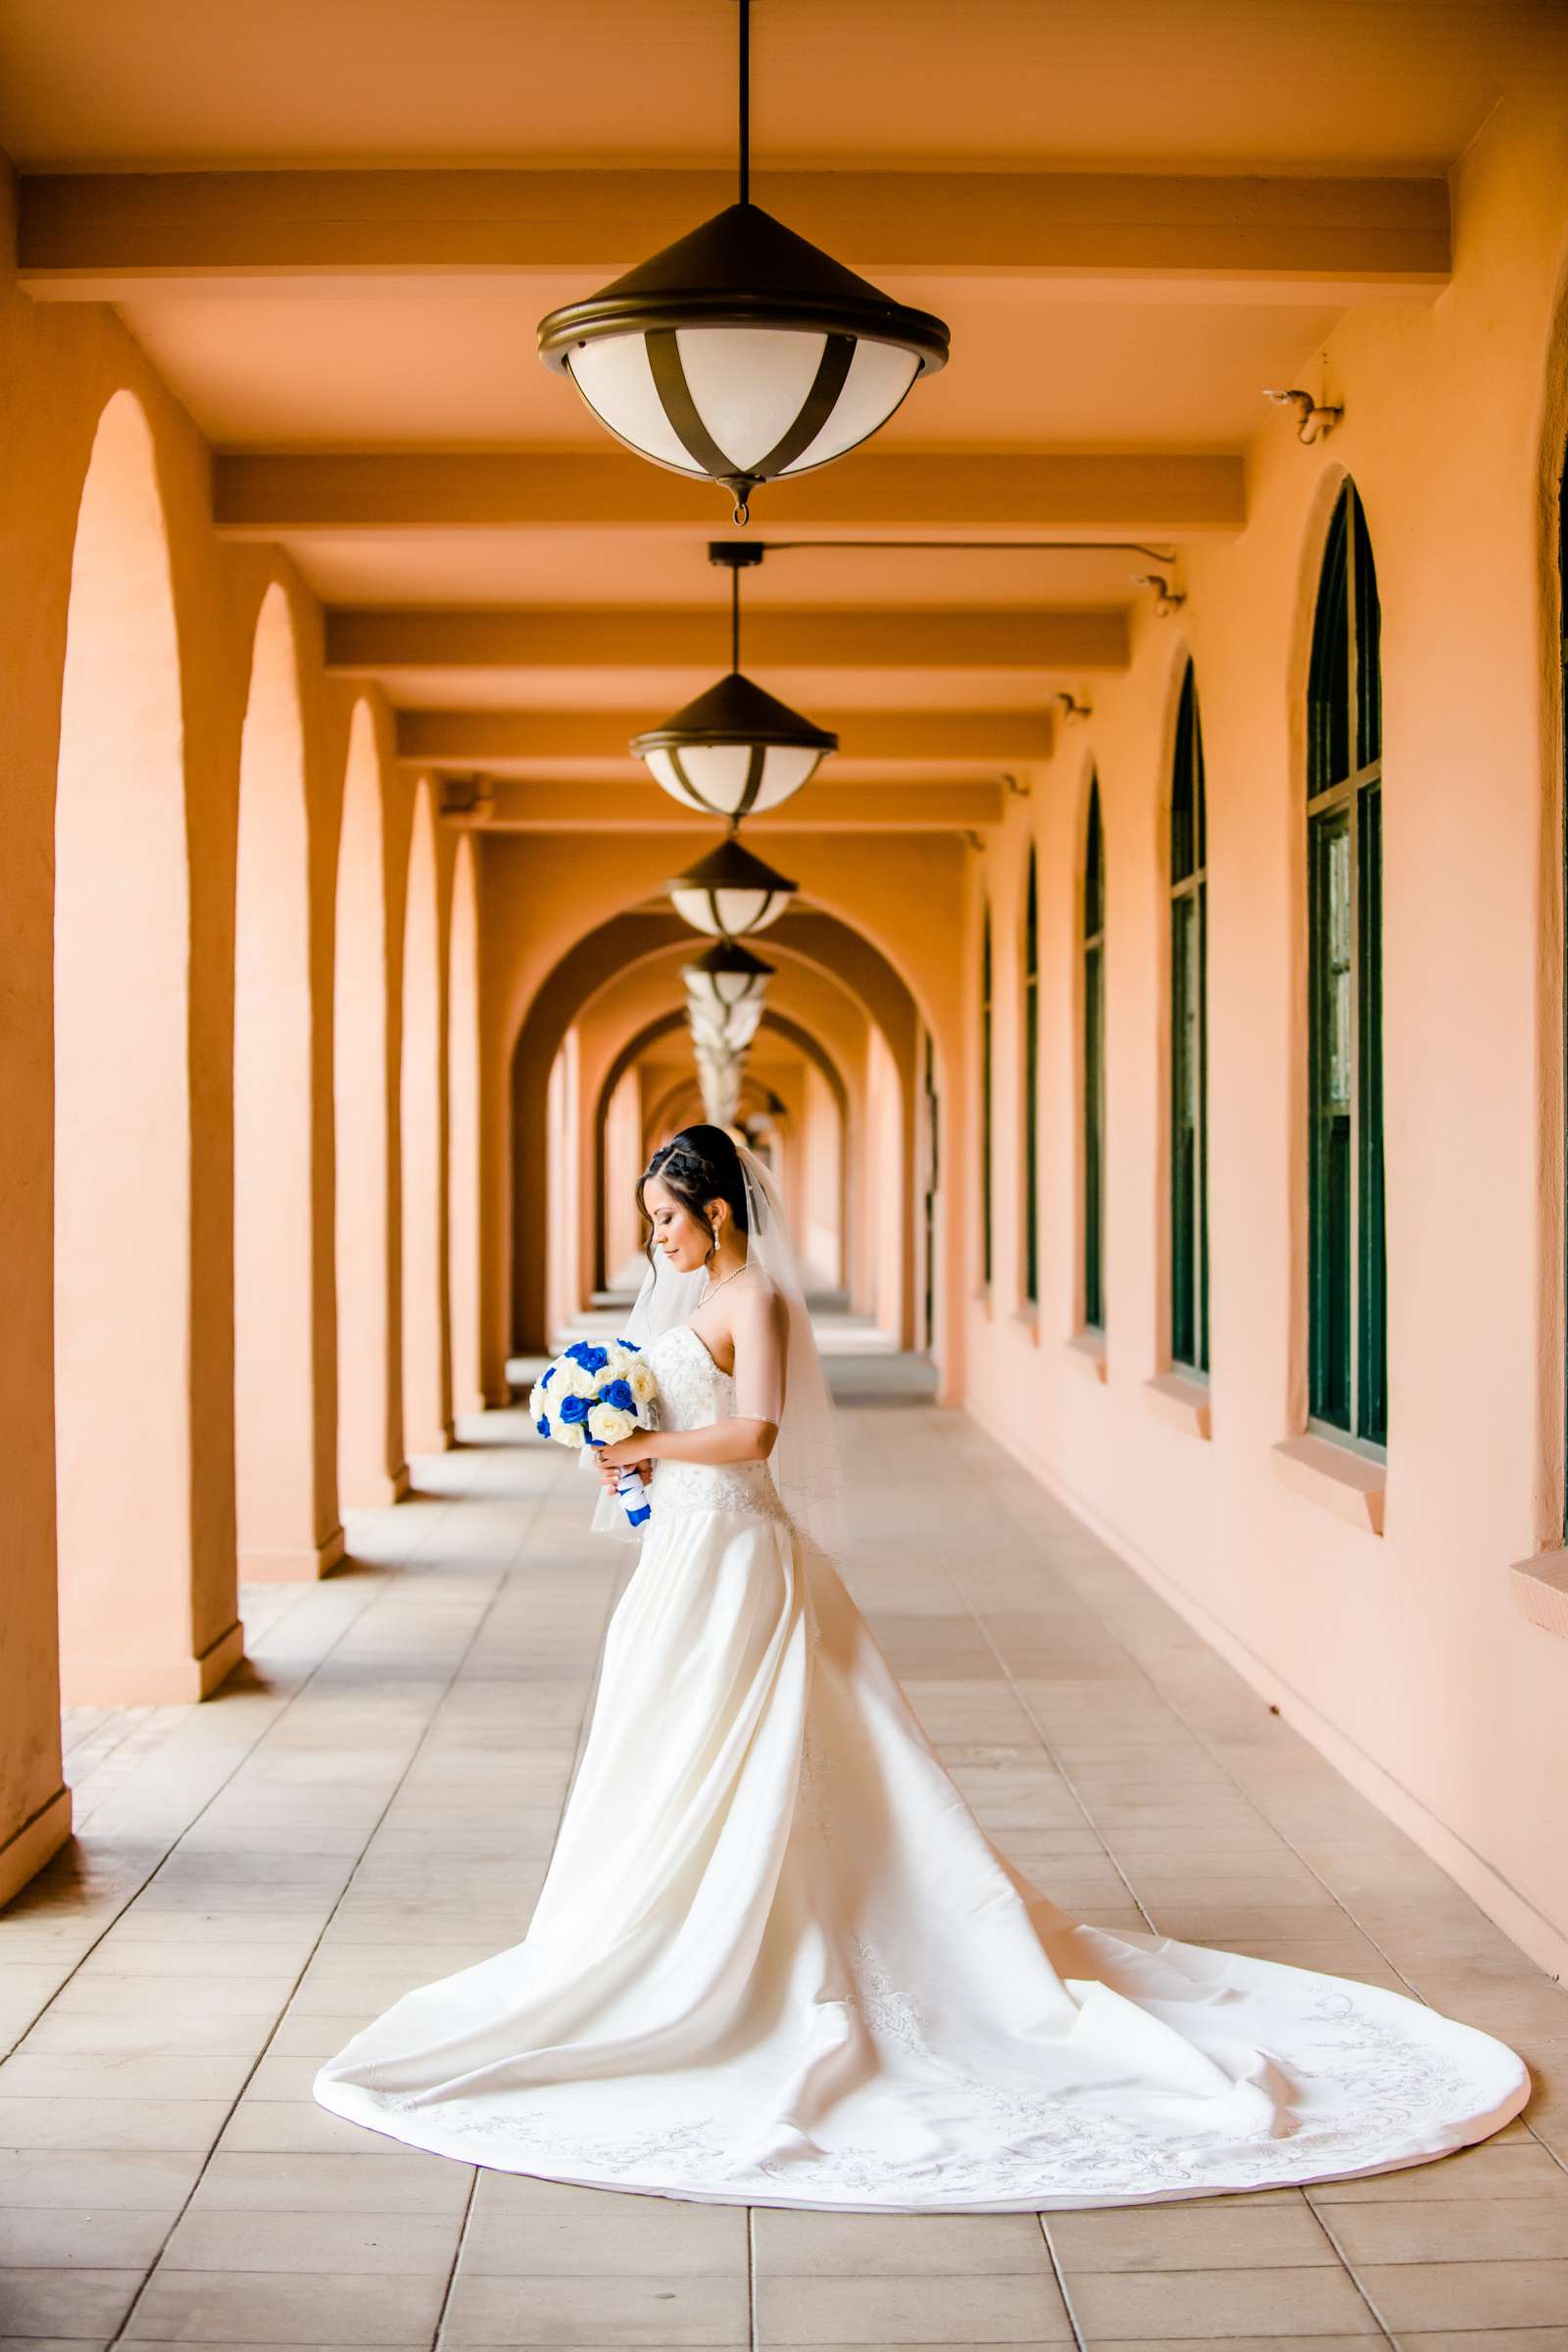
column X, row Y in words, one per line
column 693, row 1394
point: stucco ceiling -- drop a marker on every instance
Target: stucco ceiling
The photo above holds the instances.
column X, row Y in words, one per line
column 355, row 297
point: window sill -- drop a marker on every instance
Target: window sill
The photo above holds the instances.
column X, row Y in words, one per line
column 1541, row 1592
column 1351, row 1485
column 1086, row 1349
column 1179, row 1399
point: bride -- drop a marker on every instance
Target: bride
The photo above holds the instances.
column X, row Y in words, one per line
column 776, row 1961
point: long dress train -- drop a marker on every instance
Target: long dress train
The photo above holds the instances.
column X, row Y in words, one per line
column 776, row 1960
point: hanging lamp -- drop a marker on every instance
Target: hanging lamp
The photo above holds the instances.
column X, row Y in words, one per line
column 725, row 975
column 735, row 748
column 741, row 353
column 730, row 892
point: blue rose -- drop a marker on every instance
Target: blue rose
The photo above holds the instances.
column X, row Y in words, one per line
column 542, row 1426
column 620, row 1393
column 545, row 1378
column 591, row 1359
column 576, row 1408
column 633, row 1345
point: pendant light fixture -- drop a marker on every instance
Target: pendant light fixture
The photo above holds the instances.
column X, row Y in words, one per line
column 726, row 975
column 741, row 353
column 736, row 747
column 730, row 893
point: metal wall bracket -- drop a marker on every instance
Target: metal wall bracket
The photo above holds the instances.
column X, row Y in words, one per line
column 1314, row 421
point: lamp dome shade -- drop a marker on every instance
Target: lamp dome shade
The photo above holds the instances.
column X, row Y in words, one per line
column 726, row 974
column 730, row 893
column 741, row 353
column 734, row 749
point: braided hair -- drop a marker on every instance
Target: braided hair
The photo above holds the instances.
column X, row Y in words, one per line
column 701, row 1164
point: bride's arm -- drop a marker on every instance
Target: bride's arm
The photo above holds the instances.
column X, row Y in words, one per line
column 761, row 1332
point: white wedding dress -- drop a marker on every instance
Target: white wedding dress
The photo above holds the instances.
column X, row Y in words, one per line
column 776, row 1961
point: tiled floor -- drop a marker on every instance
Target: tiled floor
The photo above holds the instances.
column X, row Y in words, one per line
column 371, row 1805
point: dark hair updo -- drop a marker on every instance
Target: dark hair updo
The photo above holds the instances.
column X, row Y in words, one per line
column 700, row 1165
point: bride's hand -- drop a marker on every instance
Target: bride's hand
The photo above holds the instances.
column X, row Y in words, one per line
column 612, row 1459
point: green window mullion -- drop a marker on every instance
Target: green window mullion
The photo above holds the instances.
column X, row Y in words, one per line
column 1031, row 1088
column 985, row 1096
column 1330, row 1052
column 1202, row 1113
column 1094, row 1136
column 1184, row 1129
column 1372, row 1412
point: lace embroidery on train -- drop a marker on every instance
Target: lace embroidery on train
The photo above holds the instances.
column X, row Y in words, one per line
column 694, row 1392
column 1043, row 2148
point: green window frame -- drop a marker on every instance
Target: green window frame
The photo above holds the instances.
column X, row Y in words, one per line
column 987, row 1015
column 1094, row 1065
column 1562, row 715
column 1348, row 1243
column 1031, row 1082
column 1189, row 1040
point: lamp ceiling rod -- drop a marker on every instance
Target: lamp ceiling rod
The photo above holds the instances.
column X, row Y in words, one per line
column 968, row 547
column 746, row 101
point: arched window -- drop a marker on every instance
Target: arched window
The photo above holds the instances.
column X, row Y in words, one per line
column 1347, row 1352
column 1189, row 1041
column 985, row 1096
column 1031, row 1084
column 1093, row 1072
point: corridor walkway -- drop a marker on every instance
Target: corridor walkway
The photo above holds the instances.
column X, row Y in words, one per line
column 373, row 1805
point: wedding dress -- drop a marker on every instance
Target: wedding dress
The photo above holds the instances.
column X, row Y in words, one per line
column 776, row 1961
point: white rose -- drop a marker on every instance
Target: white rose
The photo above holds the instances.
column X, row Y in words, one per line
column 642, row 1383
column 609, row 1424
column 567, row 1432
column 573, row 1381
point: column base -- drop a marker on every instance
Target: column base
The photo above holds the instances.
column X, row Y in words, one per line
column 293, row 1567
column 37, row 1841
column 119, row 1681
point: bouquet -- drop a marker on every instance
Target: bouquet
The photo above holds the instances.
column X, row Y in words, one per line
column 596, row 1394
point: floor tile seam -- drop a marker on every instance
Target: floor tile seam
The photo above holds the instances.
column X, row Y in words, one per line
column 243, row 1757
column 232, row 2106
column 1196, row 1732
column 1057, row 1763
column 1348, row 2267
column 457, row 2259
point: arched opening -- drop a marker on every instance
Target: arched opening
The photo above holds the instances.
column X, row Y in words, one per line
column 424, row 1416
column 279, row 1524
column 463, row 1126
column 544, row 1226
column 131, row 1625
column 367, row 1471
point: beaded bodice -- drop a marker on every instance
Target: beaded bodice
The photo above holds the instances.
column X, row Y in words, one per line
column 693, row 1394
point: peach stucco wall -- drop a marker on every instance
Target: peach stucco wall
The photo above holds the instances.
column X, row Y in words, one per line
column 59, row 370
column 1402, row 1654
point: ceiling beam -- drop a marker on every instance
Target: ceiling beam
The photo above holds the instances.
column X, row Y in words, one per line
column 94, row 237
column 476, row 739
column 1145, row 496
column 833, row 807
column 366, row 642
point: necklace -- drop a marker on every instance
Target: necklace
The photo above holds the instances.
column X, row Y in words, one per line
column 720, row 1285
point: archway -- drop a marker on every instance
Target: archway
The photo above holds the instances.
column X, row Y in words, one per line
column 424, row 1418
column 368, row 1467
column 614, row 946
column 462, row 1122
column 131, row 1626
column 280, row 1522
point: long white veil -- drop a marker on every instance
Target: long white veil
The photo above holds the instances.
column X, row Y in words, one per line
column 806, row 1466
